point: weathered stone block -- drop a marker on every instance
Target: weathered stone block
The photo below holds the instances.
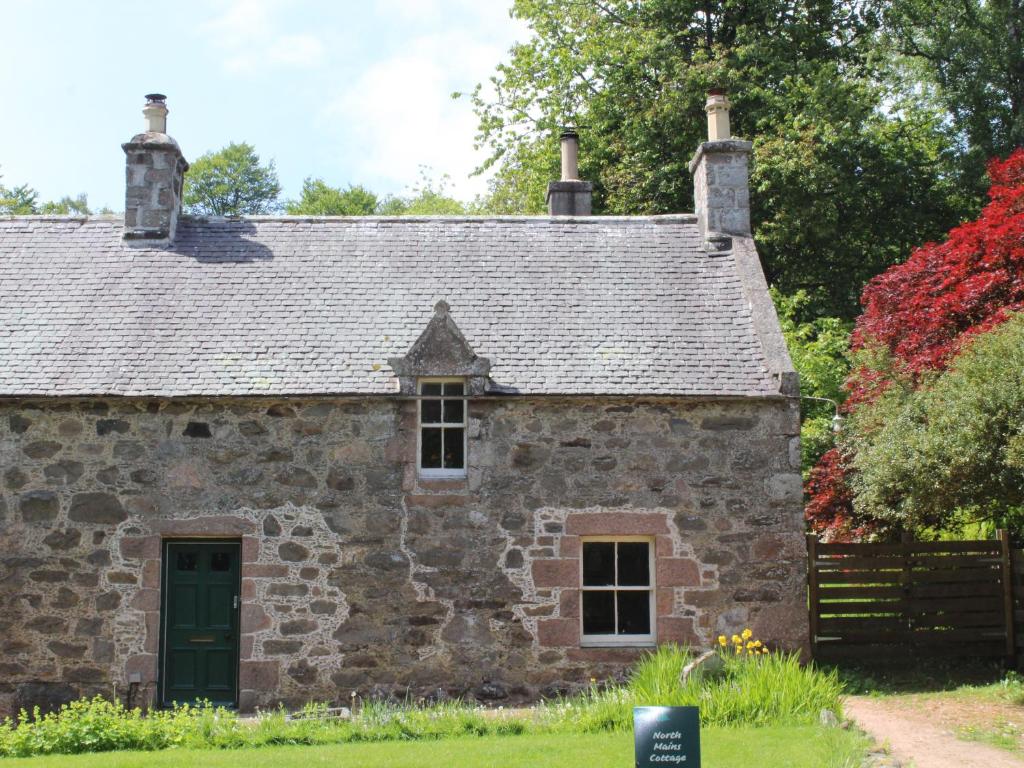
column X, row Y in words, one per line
column 556, row 573
column 97, row 509
column 558, row 632
column 677, row 572
column 615, row 523
column 38, row 506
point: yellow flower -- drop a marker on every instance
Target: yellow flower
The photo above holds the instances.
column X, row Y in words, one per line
column 757, row 643
column 738, row 650
column 747, row 634
column 764, row 650
column 736, row 639
column 721, row 640
column 750, row 645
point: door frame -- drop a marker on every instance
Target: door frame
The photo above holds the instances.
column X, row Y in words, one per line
column 165, row 545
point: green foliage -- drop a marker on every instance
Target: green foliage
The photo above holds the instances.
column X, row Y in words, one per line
column 17, row 201
column 98, row 725
column 24, row 201
column 848, row 172
column 231, row 182
column 818, row 348
column 944, row 450
column 67, row 206
column 967, row 56
column 771, row 689
column 428, row 198
column 320, row 199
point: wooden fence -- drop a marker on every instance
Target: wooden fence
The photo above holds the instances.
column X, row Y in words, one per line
column 1017, row 581
column 949, row 598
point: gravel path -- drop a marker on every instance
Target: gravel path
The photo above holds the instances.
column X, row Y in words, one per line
column 917, row 740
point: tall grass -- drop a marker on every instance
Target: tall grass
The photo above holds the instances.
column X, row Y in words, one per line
column 771, row 689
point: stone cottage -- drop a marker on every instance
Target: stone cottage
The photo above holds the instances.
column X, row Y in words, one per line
column 276, row 459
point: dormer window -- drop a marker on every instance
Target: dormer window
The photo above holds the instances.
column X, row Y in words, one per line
column 442, row 429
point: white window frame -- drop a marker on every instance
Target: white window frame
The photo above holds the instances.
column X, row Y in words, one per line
column 441, row 472
column 605, row 641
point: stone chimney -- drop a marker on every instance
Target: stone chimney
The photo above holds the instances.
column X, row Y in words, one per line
column 721, row 187
column 154, row 176
column 570, row 196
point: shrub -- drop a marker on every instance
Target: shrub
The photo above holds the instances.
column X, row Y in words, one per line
column 98, row 725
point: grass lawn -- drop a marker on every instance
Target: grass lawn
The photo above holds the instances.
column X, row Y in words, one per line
column 770, row 747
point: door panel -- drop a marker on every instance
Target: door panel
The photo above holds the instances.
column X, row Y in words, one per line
column 200, row 621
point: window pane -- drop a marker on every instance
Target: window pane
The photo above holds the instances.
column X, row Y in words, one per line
column 599, row 613
column 634, row 612
column 220, row 561
column 430, row 389
column 430, row 457
column 430, row 412
column 598, row 563
column 187, row 561
column 454, row 388
column 633, row 564
column 454, row 448
column 453, row 410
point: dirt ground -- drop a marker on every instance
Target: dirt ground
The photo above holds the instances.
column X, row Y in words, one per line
column 927, row 731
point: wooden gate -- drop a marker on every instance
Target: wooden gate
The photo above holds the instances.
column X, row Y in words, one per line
column 948, row 598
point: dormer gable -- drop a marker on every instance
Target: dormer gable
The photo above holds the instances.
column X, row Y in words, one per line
column 441, row 350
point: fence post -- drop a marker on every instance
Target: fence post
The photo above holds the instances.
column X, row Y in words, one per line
column 907, row 580
column 1007, row 568
column 812, row 590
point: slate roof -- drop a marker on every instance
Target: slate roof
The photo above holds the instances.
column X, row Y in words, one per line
column 287, row 305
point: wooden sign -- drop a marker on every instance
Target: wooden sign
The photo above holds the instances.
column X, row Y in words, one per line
column 667, row 736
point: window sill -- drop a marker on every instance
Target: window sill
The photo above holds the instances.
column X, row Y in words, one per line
column 645, row 643
column 455, row 483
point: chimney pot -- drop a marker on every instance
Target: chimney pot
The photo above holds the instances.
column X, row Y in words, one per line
column 570, row 141
column 569, row 196
column 717, row 107
column 155, row 113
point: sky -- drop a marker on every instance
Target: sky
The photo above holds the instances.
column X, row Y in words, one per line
column 350, row 92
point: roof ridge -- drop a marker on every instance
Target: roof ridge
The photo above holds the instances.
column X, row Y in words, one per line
column 667, row 218
column 685, row 218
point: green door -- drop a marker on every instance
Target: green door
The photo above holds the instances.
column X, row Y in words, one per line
column 200, row 621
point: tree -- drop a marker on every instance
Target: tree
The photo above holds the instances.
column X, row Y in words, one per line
column 946, row 450
column 428, row 198
column 320, row 199
column 848, row 173
column 67, row 206
column 231, row 182
column 917, row 318
column 17, row 201
column 972, row 52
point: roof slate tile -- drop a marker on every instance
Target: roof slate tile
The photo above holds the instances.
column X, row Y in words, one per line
column 317, row 306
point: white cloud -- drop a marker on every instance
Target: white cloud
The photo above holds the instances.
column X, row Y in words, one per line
column 399, row 111
column 247, row 36
column 297, row 50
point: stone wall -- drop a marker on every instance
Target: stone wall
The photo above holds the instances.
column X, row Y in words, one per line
column 358, row 576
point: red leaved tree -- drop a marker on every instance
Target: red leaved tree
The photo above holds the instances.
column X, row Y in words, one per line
column 921, row 312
